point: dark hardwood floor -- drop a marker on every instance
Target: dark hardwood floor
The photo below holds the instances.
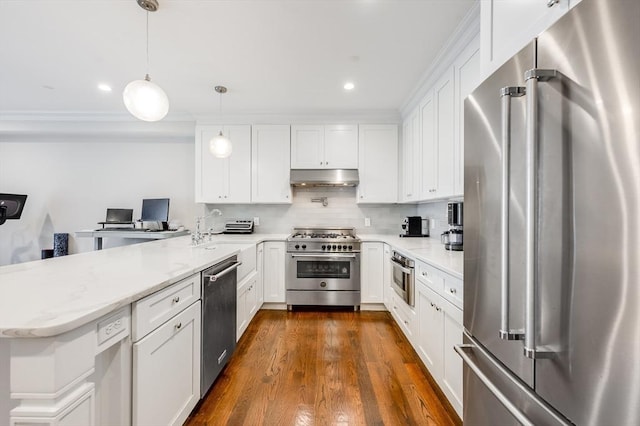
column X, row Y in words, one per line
column 323, row 368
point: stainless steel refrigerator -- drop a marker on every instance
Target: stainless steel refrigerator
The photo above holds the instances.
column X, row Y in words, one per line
column 552, row 234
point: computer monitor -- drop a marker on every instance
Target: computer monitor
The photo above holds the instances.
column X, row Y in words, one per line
column 11, row 206
column 155, row 209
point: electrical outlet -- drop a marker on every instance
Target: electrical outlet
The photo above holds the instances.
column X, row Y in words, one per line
column 256, row 221
column 367, row 221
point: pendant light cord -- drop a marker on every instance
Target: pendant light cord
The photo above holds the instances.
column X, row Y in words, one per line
column 147, row 42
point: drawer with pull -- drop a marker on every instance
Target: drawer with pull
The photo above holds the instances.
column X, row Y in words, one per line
column 430, row 276
column 154, row 310
column 454, row 291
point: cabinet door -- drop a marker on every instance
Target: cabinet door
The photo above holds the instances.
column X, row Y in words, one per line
column 341, row 147
column 307, row 147
column 166, row 371
column 223, row 180
column 410, row 162
column 270, row 164
column 467, row 69
column 452, row 364
column 507, row 26
column 429, row 181
column 387, row 290
column 371, row 272
column 274, row 264
column 430, row 329
column 260, row 277
column 445, row 110
column 242, row 318
column 378, row 163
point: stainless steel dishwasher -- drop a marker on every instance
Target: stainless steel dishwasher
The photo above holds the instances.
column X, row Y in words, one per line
column 219, row 295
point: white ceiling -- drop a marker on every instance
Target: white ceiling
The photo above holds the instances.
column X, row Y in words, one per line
column 275, row 56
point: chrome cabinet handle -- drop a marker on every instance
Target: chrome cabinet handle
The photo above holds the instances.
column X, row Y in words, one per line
column 506, row 93
column 176, row 299
column 532, row 77
column 178, row 326
column 452, row 291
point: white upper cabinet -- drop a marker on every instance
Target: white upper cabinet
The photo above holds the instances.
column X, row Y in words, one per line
column 429, row 181
column 378, row 163
column 443, row 94
column 270, row 164
column 223, row 180
column 324, row 147
column 468, row 76
column 508, row 25
column 411, row 167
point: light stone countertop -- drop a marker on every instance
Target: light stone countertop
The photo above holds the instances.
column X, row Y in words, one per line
column 49, row 297
column 429, row 250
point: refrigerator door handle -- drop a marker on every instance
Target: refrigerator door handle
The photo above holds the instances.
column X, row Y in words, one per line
column 506, row 402
column 532, row 77
column 506, row 93
column 474, row 346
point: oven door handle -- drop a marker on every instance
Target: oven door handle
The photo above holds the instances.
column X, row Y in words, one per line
column 328, row 256
column 408, row 271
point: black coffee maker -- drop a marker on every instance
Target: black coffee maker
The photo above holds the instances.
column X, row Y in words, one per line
column 453, row 237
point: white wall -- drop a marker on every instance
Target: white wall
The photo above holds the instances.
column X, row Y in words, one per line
column 70, row 184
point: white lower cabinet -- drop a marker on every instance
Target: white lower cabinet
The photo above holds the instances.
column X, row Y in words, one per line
column 247, row 303
column 439, row 330
column 274, row 272
column 405, row 316
column 372, row 272
column 166, row 359
column 387, row 290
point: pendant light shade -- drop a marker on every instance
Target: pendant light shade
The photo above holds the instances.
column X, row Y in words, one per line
column 220, row 146
column 145, row 100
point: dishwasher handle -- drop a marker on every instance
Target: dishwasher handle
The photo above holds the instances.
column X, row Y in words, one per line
column 215, row 277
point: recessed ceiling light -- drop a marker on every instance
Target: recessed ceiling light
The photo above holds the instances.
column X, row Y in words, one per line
column 104, row 87
column 349, row 86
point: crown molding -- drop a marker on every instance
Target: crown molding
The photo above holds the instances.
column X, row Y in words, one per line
column 466, row 32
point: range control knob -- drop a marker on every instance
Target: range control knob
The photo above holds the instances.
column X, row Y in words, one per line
column 339, row 247
column 304, row 246
column 344, row 247
column 297, row 246
column 324, row 247
column 334, row 247
column 350, row 247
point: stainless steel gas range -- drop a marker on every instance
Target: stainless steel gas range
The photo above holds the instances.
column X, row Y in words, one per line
column 323, row 267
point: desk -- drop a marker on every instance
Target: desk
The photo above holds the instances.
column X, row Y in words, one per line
column 145, row 235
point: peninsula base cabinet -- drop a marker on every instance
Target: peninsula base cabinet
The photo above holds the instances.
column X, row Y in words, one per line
column 81, row 377
column 166, row 354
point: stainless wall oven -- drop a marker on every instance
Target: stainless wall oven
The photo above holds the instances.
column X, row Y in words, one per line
column 403, row 271
column 323, row 268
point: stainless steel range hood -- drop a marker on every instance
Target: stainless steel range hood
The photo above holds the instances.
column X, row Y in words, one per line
column 324, row 177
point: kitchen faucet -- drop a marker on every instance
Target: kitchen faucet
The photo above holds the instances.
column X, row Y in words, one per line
column 197, row 237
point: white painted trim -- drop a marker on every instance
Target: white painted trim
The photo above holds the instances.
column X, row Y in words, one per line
column 54, row 395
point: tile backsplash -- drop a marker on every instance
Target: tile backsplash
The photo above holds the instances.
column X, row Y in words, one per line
column 341, row 210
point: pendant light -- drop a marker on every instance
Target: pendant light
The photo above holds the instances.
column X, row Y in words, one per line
column 144, row 99
column 220, row 146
